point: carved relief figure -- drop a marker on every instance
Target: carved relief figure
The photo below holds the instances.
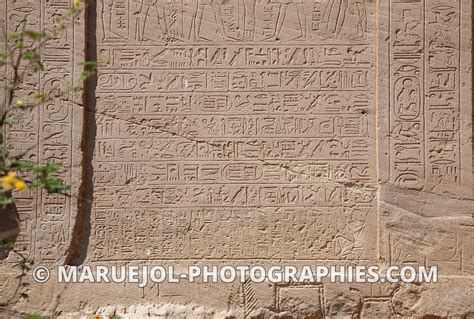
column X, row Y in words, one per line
column 407, row 98
column 199, row 7
column 106, row 18
column 249, row 19
column 444, row 17
column 281, row 17
column 345, row 14
column 349, row 239
column 409, row 35
column 142, row 11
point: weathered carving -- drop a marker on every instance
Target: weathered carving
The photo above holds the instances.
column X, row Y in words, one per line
column 48, row 133
column 329, row 132
column 198, row 137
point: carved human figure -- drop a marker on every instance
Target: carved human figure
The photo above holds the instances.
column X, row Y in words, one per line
column 141, row 12
column 407, row 99
column 349, row 238
column 198, row 11
column 344, row 13
column 281, row 17
column 249, row 20
column 106, row 18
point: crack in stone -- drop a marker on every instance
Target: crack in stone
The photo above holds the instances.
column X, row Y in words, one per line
column 79, row 242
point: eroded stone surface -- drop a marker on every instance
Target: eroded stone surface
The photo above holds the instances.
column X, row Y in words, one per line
column 51, row 132
column 328, row 132
column 217, row 119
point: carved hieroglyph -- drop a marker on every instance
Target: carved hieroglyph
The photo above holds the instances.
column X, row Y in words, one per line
column 427, row 109
column 425, row 147
column 209, row 118
column 50, row 133
column 264, row 132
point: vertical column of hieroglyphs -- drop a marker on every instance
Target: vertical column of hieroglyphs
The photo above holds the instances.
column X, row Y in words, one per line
column 407, row 124
column 443, row 90
column 429, row 108
column 49, row 133
column 235, row 129
column 425, row 88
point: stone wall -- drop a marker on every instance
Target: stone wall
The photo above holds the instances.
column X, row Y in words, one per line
column 321, row 132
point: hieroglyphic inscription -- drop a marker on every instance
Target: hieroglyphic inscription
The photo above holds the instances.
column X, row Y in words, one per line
column 425, row 93
column 46, row 133
column 442, row 83
column 221, row 21
column 245, row 131
column 429, row 104
column 235, row 129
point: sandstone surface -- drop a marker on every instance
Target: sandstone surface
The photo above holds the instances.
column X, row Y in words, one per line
column 272, row 132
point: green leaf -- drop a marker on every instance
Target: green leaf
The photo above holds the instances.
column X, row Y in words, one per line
column 37, row 169
column 11, row 120
column 56, row 185
column 36, row 36
column 6, row 199
column 53, row 168
column 48, row 169
column 13, row 36
column 92, row 66
column 41, row 96
column 7, row 244
column 85, row 75
column 31, row 55
column 19, row 45
column 21, row 165
column 36, row 184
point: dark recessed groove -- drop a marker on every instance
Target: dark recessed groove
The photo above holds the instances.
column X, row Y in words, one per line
column 79, row 242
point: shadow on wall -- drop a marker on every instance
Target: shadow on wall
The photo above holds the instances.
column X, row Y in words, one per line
column 79, row 243
column 9, row 228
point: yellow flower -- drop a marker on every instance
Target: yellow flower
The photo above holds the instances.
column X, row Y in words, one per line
column 9, row 181
column 10, row 178
column 20, row 102
column 12, row 181
column 20, row 185
column 6, row 186
column 77, row 3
